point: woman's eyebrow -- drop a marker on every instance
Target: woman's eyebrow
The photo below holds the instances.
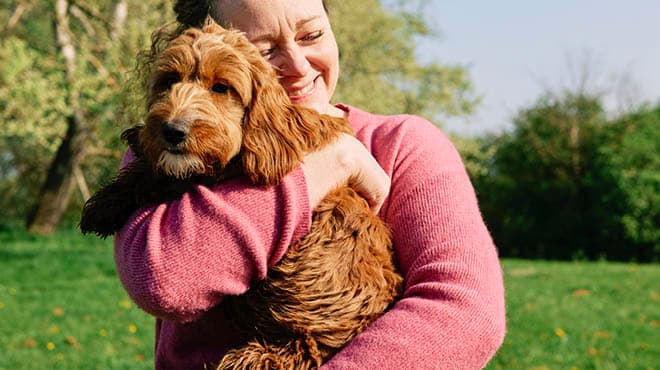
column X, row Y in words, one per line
column 271, row 36
column 302, row 22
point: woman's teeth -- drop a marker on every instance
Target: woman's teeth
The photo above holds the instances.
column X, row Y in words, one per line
column 303, row 91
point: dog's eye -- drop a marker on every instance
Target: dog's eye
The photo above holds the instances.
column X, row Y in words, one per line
column 166, row 81
column 219, row 88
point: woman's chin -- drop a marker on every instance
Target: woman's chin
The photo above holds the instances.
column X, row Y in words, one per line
column 309, row 102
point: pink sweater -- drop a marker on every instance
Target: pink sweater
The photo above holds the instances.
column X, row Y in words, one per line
column 177, row 260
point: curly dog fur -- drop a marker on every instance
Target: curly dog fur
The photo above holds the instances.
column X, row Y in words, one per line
column 216, row 110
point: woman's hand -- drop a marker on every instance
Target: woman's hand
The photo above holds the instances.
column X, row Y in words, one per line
column 345, row 160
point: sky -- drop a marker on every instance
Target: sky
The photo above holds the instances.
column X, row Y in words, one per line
column 516, row 50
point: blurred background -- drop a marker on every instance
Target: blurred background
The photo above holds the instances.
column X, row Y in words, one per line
column 554, row 107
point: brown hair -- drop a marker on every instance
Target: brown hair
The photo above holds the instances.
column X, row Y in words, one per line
column 193, row 13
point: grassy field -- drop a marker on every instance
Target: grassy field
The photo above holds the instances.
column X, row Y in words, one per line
column 61, row 307
column 581, row 316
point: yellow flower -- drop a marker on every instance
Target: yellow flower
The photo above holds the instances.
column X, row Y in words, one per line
column 50, row 346
column 53, row 329
column 560, row 332
column 125, row 304
column 132, row 328
column 59, row 356
column 103, row 333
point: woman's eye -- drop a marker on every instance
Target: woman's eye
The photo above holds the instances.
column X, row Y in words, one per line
column 312, row 36
column 267, row 52
column 219, row 88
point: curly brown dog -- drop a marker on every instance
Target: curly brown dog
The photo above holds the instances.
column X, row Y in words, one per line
column 217, row 110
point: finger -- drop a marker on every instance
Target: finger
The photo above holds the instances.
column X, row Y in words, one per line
column 374, row 186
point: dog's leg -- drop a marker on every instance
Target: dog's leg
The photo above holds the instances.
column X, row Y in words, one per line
column 108, row 210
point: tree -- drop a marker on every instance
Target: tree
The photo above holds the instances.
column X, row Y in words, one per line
column 541, row 197
column 631, row 159
column 568, row 182
column 78, row 53
column 59, row 184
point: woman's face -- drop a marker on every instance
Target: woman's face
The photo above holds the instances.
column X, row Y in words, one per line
column 296, row 38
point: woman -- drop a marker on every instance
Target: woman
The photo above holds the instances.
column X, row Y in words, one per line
column 178, row 260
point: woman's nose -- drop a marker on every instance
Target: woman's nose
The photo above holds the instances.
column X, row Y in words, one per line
column 294, row 62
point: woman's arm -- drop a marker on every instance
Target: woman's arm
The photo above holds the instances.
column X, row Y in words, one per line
column 178, row 259
column 451, row 315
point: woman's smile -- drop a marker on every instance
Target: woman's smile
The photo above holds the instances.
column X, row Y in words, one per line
column 300, row 92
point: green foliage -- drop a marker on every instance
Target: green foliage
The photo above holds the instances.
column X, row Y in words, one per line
column 32, row 108
column 543, row 165
column 477, row 155
column 633, row 162
column 570, row 183
column 379, row 70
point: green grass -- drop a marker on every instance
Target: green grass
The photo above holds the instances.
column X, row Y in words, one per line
column 582, row 316
column 62, row 307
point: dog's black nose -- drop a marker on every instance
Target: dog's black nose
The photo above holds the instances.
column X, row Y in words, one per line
column 175, row 132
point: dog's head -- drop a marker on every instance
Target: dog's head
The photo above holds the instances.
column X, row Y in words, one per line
column 212, row 97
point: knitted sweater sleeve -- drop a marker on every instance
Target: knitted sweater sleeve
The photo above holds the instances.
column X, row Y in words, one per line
column 451, row 315
column 178, row 259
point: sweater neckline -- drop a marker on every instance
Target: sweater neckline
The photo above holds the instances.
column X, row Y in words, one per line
column 354, row 116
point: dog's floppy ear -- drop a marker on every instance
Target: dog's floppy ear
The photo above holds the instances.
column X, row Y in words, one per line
column 273, row 144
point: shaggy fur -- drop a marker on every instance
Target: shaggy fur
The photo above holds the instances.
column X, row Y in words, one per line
column 217, row 110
